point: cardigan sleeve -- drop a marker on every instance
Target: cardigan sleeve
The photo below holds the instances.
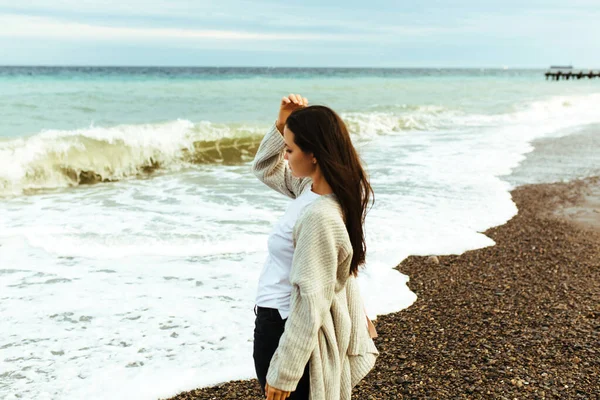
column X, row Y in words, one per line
column 270, row 167
column 313, row 279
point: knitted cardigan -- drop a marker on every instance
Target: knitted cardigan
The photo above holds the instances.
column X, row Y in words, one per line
column 327, row 323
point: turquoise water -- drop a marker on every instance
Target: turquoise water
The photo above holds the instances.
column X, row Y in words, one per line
column 143, row 284
column 34, row 99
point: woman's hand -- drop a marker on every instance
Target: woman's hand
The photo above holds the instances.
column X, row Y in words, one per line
column 289, row 104
column 275, row 394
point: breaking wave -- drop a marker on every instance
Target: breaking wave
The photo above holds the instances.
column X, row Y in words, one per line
column 56, row 159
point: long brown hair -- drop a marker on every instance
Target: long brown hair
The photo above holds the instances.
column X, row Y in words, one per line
column 319, row 130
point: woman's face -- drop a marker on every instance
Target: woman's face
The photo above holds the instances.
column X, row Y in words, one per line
column 302, row 164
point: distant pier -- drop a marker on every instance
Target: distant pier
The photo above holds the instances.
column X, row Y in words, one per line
column 558, row 73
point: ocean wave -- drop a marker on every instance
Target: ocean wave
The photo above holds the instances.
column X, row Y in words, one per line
column 56, row 159
column 64, row 158
column 399, row 119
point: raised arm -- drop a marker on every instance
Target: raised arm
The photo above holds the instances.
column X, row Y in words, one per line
column 269, row 165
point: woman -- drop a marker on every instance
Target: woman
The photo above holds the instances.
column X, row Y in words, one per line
column 311, row 338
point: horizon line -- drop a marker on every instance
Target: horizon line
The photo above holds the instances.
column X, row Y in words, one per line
column 261, row 66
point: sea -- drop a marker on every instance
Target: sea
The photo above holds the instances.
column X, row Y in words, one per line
column 133, row 232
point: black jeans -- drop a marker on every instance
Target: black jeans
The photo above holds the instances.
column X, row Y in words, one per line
column 268, row 328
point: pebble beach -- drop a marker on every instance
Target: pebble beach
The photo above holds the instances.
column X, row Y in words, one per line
column 520, row 319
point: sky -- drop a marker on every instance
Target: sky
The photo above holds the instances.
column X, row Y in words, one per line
column 302, row 33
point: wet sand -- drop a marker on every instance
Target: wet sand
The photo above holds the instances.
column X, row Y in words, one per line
column 520, row 319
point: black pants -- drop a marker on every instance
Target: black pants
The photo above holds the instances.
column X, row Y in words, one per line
column 268, row 328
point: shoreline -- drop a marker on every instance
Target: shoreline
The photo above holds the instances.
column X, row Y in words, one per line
column 518, row 319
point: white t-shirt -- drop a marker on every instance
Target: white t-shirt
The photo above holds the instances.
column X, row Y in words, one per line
column 274, row 288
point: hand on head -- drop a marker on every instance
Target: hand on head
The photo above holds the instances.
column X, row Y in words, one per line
column 288, row 105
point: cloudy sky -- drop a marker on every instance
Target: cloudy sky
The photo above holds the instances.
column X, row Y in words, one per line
column 375, row 33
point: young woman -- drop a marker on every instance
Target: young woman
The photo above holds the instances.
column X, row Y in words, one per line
column 311, row 338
